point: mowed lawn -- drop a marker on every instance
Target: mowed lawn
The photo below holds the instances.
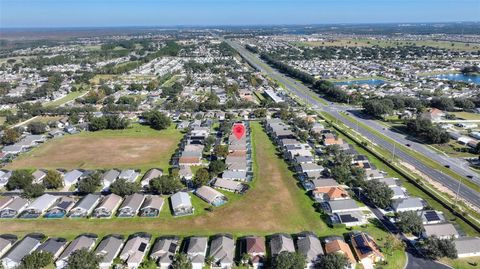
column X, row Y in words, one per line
column 138, row 147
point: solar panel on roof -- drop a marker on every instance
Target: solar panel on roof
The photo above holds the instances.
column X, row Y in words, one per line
column 142, row 247
column 172, row 248
column 347, row 218
column 431, row 216
column 361, row 244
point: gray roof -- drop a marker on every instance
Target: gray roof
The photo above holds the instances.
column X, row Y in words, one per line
column 467, row 245
column 165, row 246
column 228, row 184
column 153, row 202
column 17, row 204
column 23, row 248
column 133, row 201
column 88, row 202
column 180, row 199
column 342, row 205
column 72, row 176
column 53, row 245
column 128, row 174
column 42, row 203
column 407, row 203
column 310, row 246
column 390, row 181
column 222, row 249
column 208, row 194
column 5, row 200
column 5, row 244
column 111, row 175
column 234, row 174
column 440, row 230
column 280, row 243
column 152, row 173
column 109, row 248
column 324, row 182
column 197, row 245
column 80, row 242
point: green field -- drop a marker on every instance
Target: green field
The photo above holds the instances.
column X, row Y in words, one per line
column 467, row 115
column 389, row 43
column 69, row 97
column 275, row 203
column 138, row 147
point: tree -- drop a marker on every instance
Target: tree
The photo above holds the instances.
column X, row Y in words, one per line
column 90, row 183
column 332, row 261
column 165, row 184
column 148, row 264
column 181, row 261
column 37, row 260
column 33, row 190
column 157, row 120
column 37, row 127
column 378, row 193
column 410, row 222
column 260, row 113
column 10, row 136
column 83, row 259
column 289, row 260
column 202, row 177
column 221, row 151
column 123, row 188
column 53, row 180
column 97, row 124
column 216, row 167
column 19, row 180
column 378, row 107
column 435, row 248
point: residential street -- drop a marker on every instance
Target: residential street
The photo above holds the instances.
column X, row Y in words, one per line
column 304, row 93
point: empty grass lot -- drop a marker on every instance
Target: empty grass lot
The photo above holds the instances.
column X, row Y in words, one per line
column 273, row 204
column 138, row 147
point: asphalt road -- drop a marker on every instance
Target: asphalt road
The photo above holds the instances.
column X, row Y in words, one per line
column 304, row 93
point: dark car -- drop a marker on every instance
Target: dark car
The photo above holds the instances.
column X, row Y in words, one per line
column 470, row 176
column 408, row 145
column 447, row 166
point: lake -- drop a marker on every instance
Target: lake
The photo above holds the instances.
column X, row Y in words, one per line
column 460, row 77
column 371, row 82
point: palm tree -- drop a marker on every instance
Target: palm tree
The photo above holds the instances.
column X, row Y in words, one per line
column 181, row 261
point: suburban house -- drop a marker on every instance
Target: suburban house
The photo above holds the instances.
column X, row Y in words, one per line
column 16, row 254
column 107, row 206
column 86, row 241
column 5, row 200
column 152, row 206
column 135, row 249
column 325, row 190
column 211, row 196
column 254, row 246
column 235, row 175
column 431, row 216
column 441, row 230
column 149, row 175
column 390, row 181
column 349, row 218
column 108, row 249
column 85, row 206
column 309, row 246
column 38, row 176
column 60, row 208
column 398, row 192
column 129, row 175
column 164, row 250
column 71, row 178
column 109, row 177
column 366, row 249
column 408, row 204
column 433, row 114
column 222, row 251
column 131, row 205
column 39, row 206
column 181, row 204
column 280, row 243
column 467, row 247
column 337, row 245
column 6, row 242
column 197, row 251
column 14, row 208
column 54, row 246
column 340, row 206
column 229, row 185
column 4, row 177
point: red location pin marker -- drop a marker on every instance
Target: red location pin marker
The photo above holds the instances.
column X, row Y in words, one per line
column 238, row 130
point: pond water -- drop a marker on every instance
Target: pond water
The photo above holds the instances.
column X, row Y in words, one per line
column 460, row 77
column 371, row 82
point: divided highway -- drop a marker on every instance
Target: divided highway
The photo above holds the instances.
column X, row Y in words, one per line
column 304, row 93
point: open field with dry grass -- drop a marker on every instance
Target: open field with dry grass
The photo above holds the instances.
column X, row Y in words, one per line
column 137, row 147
